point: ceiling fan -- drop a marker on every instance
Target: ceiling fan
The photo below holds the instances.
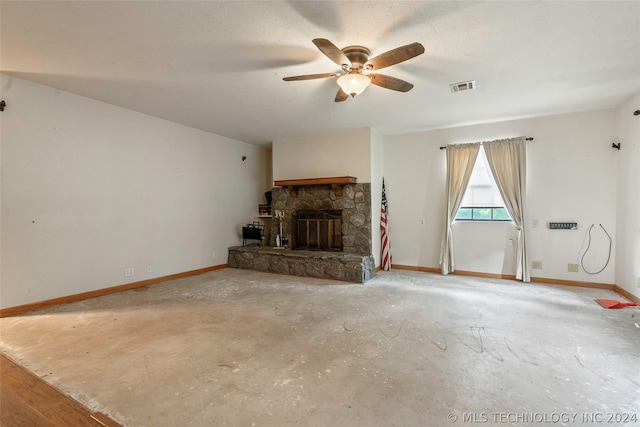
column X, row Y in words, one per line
column 354, row 60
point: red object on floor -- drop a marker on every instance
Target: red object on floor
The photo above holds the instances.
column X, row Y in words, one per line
column 611, row 303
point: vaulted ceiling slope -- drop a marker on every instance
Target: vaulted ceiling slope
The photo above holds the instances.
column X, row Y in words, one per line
column 218, row 66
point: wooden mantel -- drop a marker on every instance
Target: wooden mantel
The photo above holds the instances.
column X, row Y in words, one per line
column 336, row 183
column 316, row 181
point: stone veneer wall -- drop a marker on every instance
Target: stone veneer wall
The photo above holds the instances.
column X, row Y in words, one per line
column 355, row 203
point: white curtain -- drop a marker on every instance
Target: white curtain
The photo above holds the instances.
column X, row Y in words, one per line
column 507, row 160
column 460, row 161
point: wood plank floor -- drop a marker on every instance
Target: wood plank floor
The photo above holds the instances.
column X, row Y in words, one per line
column 27, row 400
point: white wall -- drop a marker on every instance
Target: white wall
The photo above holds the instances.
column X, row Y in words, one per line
column 89, row 189
column 414, row 171
column 571, row 177
column 628, row 212
column 345, row 153
column 377, row 173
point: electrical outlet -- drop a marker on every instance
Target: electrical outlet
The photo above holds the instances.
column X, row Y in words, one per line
column 536, row 265
column 572, row 268
column 128, row 272
column 421, row 221
column 535, row 223
column 214, row 255
column 149, row 269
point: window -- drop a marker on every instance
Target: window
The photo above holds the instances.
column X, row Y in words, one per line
column 481, row 200
column 482, row 214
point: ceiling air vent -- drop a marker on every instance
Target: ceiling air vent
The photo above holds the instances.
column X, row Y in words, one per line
column 462, row 86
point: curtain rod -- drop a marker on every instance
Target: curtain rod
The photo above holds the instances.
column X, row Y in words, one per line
column 526, row 139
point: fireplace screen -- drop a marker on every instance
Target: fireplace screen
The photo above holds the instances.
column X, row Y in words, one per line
column 318, row 230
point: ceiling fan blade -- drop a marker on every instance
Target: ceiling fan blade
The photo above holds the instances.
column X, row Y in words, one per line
column 395, row 56
column 389, row 82
column 332, row 52
column 341, row 95
column 310, row 76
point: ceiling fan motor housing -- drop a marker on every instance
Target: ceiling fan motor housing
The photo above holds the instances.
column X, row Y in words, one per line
column 358, row 55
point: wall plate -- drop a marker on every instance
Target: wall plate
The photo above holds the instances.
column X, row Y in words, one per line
column 563, row 225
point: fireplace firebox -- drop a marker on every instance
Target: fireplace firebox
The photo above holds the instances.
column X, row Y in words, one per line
column 318, row 230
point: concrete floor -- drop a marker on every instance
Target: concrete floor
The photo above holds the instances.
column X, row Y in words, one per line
column 243, row 348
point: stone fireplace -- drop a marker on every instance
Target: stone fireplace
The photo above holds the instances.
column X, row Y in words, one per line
column 353, row 201
column 327, row 226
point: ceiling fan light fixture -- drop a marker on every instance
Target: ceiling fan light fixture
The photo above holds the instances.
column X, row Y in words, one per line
column 353, row 60
column 353, row 83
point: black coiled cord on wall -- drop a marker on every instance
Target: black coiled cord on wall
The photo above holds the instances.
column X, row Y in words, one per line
column 587, row 250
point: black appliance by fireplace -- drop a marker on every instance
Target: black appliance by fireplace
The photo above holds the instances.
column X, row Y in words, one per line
column 253, row 231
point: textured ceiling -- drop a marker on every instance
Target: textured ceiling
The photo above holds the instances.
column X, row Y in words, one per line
column 218, row 66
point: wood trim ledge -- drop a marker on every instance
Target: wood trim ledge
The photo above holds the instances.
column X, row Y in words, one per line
column 316, row 181
column 541, row 280
column 415, row 268
column 548, row 281
column 12, row 311
column 628, row 295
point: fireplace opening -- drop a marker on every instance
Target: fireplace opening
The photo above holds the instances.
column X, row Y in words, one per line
column 317, row 230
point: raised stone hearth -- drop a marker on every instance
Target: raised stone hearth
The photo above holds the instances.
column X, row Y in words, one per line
column 331, row 214
column 343, row 266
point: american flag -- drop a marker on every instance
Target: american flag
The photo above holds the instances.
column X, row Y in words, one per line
column 386, row 247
